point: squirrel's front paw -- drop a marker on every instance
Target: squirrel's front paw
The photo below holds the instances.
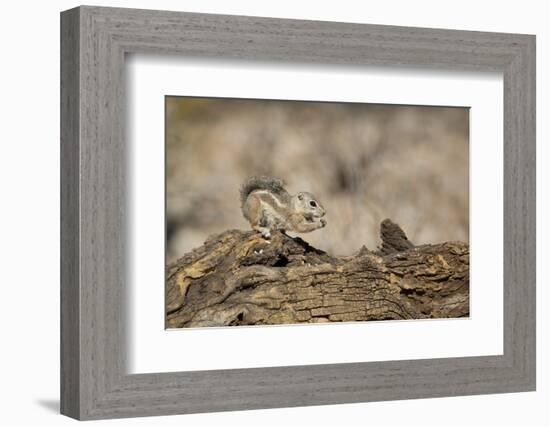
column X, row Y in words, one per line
column 323, row 222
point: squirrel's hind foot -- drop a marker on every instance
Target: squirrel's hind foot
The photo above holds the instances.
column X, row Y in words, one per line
column 265, row 232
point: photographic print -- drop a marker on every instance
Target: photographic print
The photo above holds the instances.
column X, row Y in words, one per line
column 293, row 212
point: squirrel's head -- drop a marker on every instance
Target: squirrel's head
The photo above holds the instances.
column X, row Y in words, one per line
column 308, row 205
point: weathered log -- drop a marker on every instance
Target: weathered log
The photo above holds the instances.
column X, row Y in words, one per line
column 239, row 278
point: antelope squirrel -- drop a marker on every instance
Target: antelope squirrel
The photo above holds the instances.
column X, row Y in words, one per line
column 267, row 205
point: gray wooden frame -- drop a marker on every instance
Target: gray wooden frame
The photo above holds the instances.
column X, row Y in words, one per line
column 94, row 382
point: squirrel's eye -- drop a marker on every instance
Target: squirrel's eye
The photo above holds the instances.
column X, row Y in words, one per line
column 313, row 204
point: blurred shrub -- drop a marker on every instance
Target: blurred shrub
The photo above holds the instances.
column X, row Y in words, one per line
column 365, row 162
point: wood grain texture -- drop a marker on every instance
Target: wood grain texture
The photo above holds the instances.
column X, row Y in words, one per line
column 239, row 278
column 95, row 273
column 70, row 219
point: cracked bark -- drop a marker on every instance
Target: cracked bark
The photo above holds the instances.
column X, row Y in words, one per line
column 238, row 278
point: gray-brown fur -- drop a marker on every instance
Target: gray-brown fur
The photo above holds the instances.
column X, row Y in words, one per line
column 268, row 206
column 273, row 185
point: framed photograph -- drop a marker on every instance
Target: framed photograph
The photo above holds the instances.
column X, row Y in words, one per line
column 261, row 213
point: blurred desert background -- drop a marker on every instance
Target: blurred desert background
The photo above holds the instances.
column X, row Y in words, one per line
column 364, row 162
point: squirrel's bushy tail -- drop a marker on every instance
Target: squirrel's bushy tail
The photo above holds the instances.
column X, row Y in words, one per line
column 274, row 185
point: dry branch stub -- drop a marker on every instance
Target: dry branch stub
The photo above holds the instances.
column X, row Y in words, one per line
column 239, row 278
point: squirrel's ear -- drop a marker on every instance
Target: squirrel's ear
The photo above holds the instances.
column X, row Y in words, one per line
column 300, row 197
